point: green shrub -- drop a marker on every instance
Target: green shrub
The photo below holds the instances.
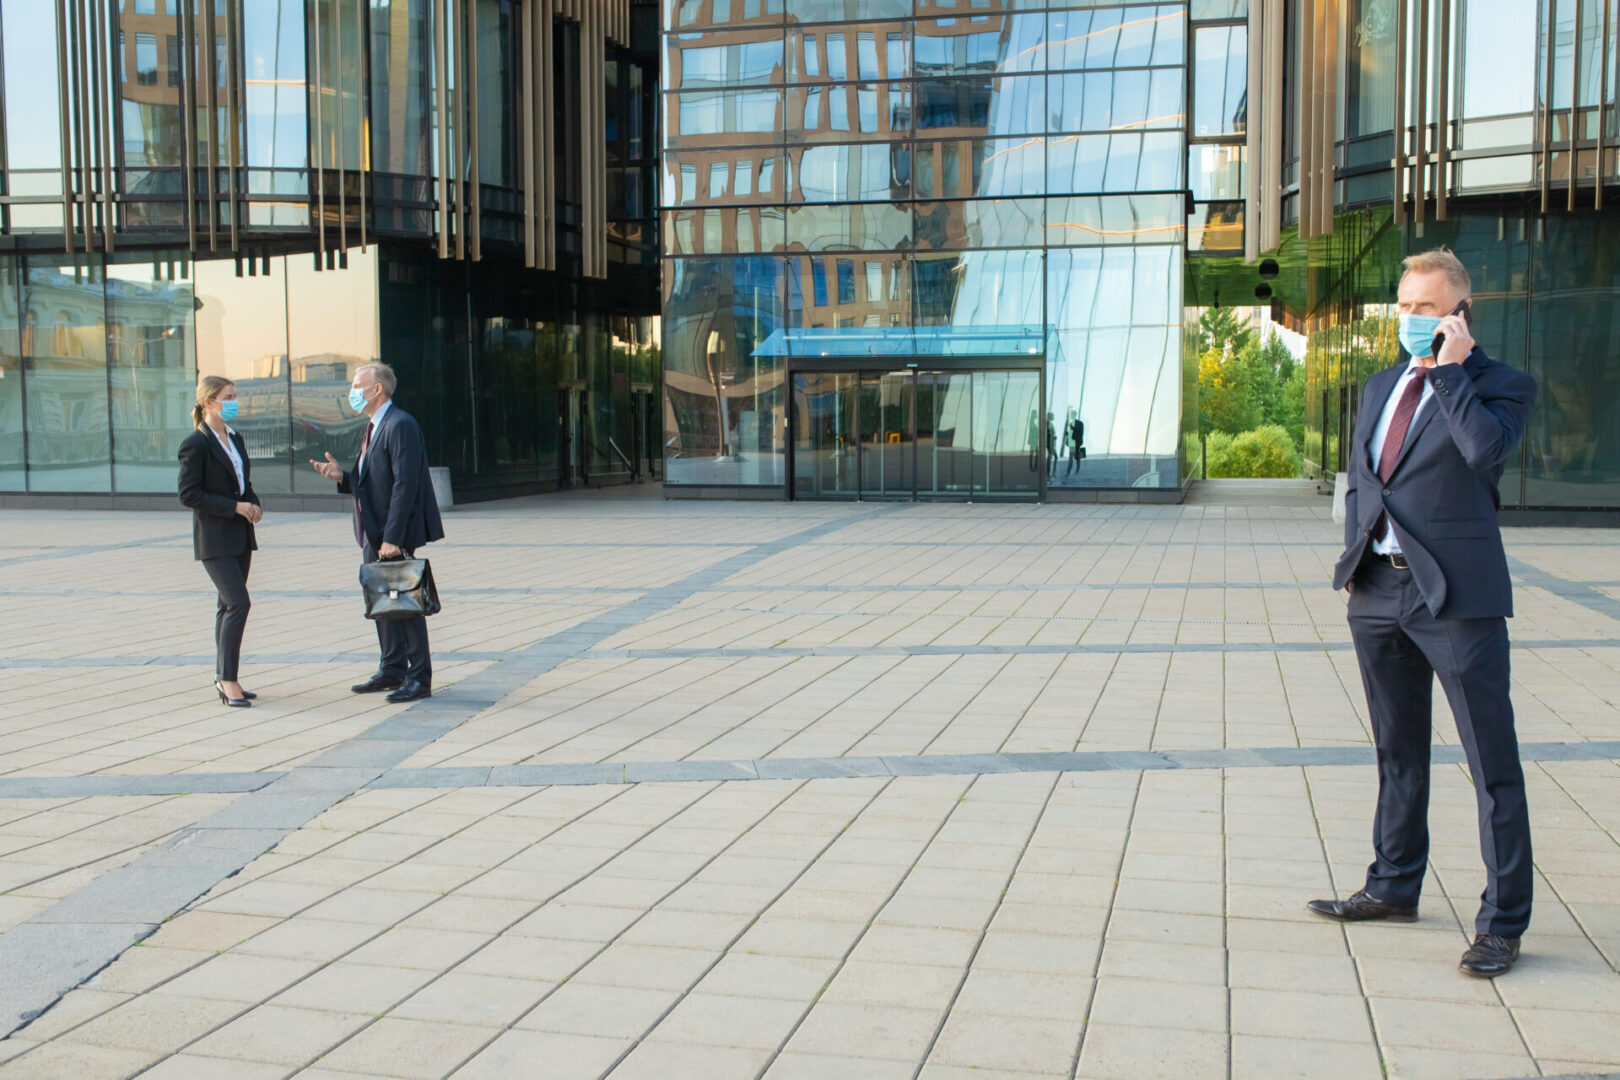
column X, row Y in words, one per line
column 1264, row 452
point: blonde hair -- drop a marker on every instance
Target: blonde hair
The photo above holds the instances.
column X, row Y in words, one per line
column 382, row 373
column 209, row 387
column 1440, row 260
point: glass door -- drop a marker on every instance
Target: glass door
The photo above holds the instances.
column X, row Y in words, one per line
column 945, row 433
column 1012, row 445
column 888, row 435
column 825, row 447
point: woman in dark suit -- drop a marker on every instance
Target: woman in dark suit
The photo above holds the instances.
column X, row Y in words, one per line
column 216, row 483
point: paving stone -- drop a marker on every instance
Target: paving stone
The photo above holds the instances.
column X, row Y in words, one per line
column 280, row 1035
column 1120, row 1052
column 409, row 1048
column 566, row 1057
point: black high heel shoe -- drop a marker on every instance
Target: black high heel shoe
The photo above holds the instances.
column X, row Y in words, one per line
column 235, row 703
column 246, row 694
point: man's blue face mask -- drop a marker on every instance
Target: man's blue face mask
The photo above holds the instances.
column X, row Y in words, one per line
column 1417, row 334
column 357, row 398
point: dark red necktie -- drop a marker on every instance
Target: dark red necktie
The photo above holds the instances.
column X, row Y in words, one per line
column 359, row 529
column 1395, row 438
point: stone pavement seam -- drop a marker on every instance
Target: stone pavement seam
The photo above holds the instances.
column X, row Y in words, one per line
column 589, row 774
column 1102, row 936
column 48, row 955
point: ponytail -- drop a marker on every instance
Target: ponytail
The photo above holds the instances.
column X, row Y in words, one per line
column 208, row 388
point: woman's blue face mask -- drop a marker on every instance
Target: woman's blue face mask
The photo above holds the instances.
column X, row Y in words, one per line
column 229, row 409
column 1417, row 334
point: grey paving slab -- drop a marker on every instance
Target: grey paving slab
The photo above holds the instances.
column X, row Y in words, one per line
column 78, row 787
column 290, row 801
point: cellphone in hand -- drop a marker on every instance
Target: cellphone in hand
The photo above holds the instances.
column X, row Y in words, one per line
column 1440, row 339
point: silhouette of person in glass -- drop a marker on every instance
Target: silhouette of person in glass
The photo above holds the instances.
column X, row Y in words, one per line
column 1051, row 446
column 1076, row 436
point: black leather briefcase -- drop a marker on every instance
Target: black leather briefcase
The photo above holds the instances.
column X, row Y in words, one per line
column 399, row 589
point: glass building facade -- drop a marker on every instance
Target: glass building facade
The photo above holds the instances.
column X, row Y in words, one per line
column 927, row 249
column 279, row 191
column 1395, row 126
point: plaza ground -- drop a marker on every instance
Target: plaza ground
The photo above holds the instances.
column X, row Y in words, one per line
column 786, row 790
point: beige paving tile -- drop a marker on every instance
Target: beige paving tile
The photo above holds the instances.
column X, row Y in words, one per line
column 349, row 986
column 408, row 1048
column 1120, row 1052
column 1257, row 1057
column 866, row 1031
column 56, row 1060
column 479, row 1000
column 278, row 1034
column 791, row 1065
column 1189, row 1006
column 1003, row 1043
column 566, row 1057
column 157, row 1022
column 1444, row 1025
column 658, row 1059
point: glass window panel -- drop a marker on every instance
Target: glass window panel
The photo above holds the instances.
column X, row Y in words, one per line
column 1115, row 219
column 152, row 367
column 978, row 289
column 1498, row 63
column 992, row 44
column 719, row 60
column 863, row 173
column 1216, row 226
column 703, row 14
column 1116, row 37
column 64, row 351
column 332, row 331
column 723, row 389
column 499, row 93
column 401, row 89
column 1369, row 105
column 980, row 167
column 1115, row 100
column 1012, row 105
column 1215, row 171
column 33, row 128
column 277, row 98
column 818, row 11
column 1219, row 9
column 853, row 226
column 13, row 467
column 1220, row 80
column 692, row 118
column 713, row 232
column 837, row 56
column 242, row 335
column 845, row 111
column 1149, row 161
column 980, row 223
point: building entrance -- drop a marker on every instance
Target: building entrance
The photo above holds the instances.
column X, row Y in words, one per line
column 917, row 432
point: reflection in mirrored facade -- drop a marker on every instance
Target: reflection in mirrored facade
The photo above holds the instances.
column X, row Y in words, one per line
column 912, row 252
column 280, row 191
column 1488, row 127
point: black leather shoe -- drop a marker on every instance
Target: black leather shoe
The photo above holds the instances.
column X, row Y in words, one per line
column 412, row 690
column 1490, row 955
column 1362, row 908
column 234, row 703
column 378, row 683
column 250, row 695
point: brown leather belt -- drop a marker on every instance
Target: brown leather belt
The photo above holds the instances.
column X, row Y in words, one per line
column 1394, row 558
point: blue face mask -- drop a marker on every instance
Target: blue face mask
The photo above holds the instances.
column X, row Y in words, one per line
column 357, row 399
column 229, row 409
column 1417, row 334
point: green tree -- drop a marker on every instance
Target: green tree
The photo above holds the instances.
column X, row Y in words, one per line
column 1218, row 327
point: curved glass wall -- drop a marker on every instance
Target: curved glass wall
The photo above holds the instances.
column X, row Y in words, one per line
column 858, row 179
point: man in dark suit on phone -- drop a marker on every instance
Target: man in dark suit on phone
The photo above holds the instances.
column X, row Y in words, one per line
column 394, row 514
column 1430, row 596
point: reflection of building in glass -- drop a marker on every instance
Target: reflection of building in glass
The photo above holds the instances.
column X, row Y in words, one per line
column 283, row 190
column 899, row 182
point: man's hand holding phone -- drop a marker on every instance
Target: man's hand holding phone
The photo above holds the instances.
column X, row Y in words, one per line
column 1454, row 342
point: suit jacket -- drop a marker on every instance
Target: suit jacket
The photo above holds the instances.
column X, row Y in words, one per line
column 394, row 491
column 208, row 487
column 1442, row 497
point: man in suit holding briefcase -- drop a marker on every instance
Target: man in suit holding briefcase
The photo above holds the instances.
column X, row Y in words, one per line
column 394, row 514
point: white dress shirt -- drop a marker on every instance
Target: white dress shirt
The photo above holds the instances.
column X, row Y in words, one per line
column 1387, row 544
column 230, row 452
column 376, row 422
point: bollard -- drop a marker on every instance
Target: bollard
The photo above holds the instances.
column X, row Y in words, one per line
column 441, row 486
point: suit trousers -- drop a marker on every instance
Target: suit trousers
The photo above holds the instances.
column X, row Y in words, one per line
column 402, row 642
column 1402, row 648
column 229, row 574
